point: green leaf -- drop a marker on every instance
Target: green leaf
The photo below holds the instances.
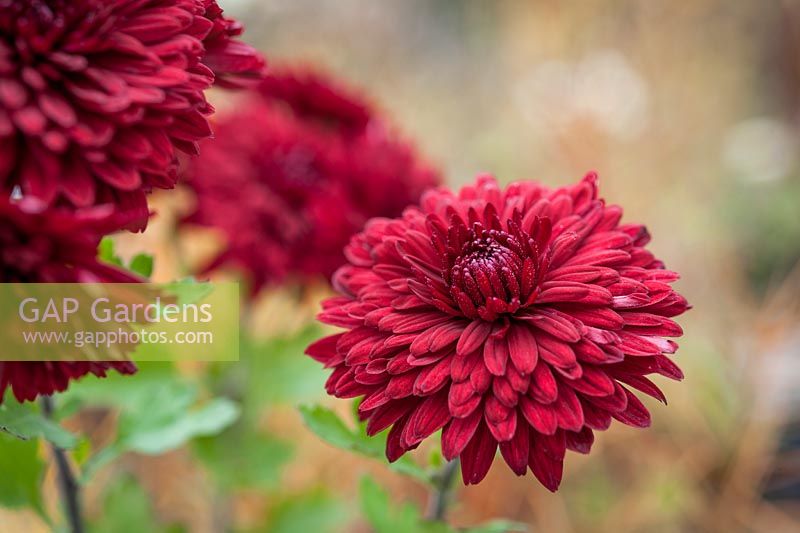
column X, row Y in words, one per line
column 405, row 465
column 327, row 425
column 375, row 504
column 387, row 518
column 498, row 526
column 127, row 509
column 435, row 459
column 129, row 392
column 24, row 421
column 105, row 252
column 243, row 458
column 142, row 264
column 99, row 460
column 164, row 433
column 279, row 371
column 157, row 412
column 174, row 431
column 188, row 290
column 22, row 472
column 316, row 511
column 82, row 451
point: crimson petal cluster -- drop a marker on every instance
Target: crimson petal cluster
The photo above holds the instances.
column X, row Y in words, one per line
column 234, row 63
column 315, row 97
column 518, row 318
column 55, row 245
column 97, row 95
column 294, row 172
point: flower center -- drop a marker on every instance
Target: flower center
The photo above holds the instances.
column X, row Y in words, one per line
column 486, row 277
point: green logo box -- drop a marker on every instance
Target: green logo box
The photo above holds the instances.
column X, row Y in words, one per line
column 187, row 321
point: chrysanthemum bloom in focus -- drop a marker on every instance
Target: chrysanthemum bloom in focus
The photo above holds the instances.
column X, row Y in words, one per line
column 294, row 172
column 96, row 95
column 518, row 318
column 54, row 245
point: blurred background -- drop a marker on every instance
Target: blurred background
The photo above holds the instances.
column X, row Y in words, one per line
column 689, row 111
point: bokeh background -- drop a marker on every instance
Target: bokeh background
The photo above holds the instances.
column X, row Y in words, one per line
column 690, row 113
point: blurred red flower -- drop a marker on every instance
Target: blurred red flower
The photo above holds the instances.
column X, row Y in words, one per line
column 54, row 245
column 317, row 98
column 517, row 318
column 95, row 96
column 234, row 63
column 294, row 172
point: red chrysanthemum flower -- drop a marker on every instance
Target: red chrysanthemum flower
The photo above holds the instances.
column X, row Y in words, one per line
column 96, row 95
column 289, row 186
column 234, row 63
column 517, row 318
column 54, row 245
column 317, row 98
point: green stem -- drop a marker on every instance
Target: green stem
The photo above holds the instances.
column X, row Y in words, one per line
column 68, row 487
column 442, row 487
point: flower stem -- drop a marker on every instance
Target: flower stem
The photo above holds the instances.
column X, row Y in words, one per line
column 442, row 486
column 68, row 487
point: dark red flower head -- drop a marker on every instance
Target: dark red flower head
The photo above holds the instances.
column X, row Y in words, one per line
column 96, row 95
column 289, row 188
column 235, row 64
column 54, row 245
column 517, row 318
column 315, row 97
